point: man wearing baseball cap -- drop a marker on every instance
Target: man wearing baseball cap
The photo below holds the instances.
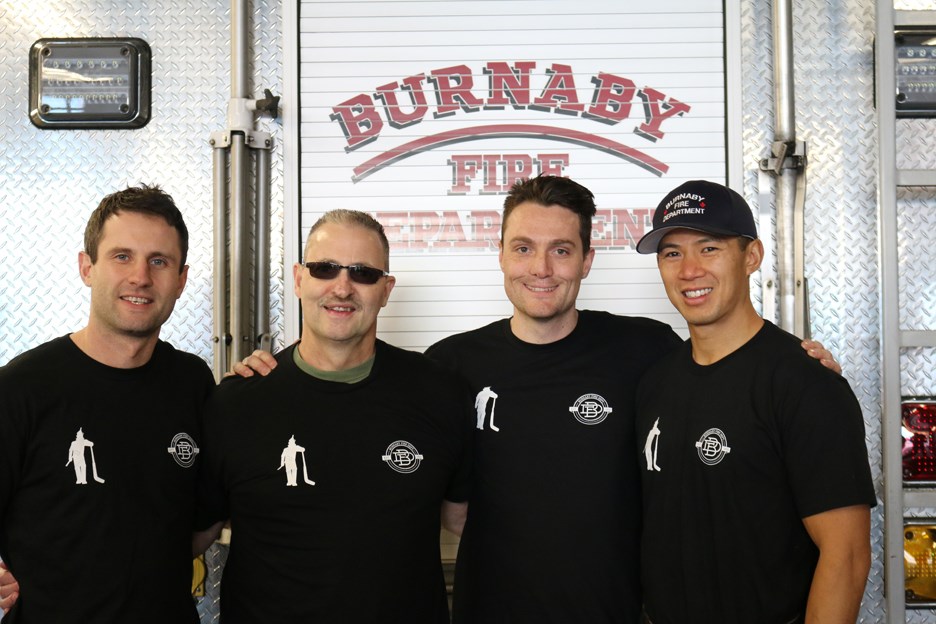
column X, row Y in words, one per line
column 756, row 484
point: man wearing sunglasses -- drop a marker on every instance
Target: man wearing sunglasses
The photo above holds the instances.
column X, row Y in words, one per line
column 552, row 535
column 333, row 469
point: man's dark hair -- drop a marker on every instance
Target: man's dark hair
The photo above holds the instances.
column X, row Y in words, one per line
column 143, row 199
column 550, row 190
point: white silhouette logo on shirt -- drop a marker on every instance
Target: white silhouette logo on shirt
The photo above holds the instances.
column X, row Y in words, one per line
column 481, row 402
column 76, row 456
column 288, row 461
column 652, row 446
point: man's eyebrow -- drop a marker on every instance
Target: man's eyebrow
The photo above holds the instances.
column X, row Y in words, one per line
column 128, row 250
column 555, row 241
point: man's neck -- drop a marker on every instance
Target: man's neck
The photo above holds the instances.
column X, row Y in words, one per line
column 711, row 343
column 114, row 350
column 546, row 331
column 332, row 356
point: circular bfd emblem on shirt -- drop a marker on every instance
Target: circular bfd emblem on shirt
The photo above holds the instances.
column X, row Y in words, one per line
column 183, row 449
column 402, row 457
column 712, row 447
column 590, row 409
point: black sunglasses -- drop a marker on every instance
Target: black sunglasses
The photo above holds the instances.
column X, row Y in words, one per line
column 357, row 272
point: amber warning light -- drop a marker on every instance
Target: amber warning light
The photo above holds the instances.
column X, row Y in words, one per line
column 920, row 562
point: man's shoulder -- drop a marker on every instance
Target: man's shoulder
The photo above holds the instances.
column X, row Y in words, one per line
column 632, row 329
column 413, row 365
column 784, row 351
column 481, row 337
column 234, row 386
column 42, row 357
column 620, row 320
column 180, row 358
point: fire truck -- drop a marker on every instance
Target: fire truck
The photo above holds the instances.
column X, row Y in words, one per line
column 258, row 116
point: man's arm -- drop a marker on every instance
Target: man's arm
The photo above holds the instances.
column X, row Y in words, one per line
column 843, row 537
column 453, row 516
column 9, row 588
column 202, row 540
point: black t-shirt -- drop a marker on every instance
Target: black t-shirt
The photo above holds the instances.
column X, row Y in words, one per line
column 97, row 484
column 554, row 517
column 733, row 456
column 334, row 490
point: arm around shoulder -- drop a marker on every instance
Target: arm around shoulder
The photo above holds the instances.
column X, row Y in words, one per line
column 843, row 537
column 202, row 540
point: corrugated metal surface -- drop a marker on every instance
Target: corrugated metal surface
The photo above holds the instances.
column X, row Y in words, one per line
column 51, row 181
column 448, row 279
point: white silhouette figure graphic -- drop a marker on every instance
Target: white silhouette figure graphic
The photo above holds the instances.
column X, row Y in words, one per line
column 288, row 459
column 481, row 402
column 652, row 446
column 76, row 456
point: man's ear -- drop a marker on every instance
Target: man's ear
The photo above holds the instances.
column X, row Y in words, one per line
column 754, row 256
column 84, row 267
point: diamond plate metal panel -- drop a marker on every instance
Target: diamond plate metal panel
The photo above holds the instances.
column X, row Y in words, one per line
column 916, row 222
column 52, row 180
column 835, row 117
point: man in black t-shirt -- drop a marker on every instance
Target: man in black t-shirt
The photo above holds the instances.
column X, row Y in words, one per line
column 553, row 527
column 756, row 483
column 100, row 435
column 334, row 468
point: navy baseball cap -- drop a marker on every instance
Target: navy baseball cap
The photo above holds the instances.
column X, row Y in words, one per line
column 699, row 205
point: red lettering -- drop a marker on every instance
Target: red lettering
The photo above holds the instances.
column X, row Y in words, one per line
column 359, row 121
column 395, row 224
column 611, row 101
column 395, row 116
column 500, row 172
column 656, row 111
column 451, row 232
column 492, row 165
column 559, row 93
column 553, row 164
column 464, row 169
column 487, row 224
column 453, row 90
column 519, row 167
column 508, row 85
column 629, row 226
column 426, row 227
column 599, row 233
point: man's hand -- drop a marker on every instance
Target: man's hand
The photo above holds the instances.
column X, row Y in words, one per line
column 202, row 540
column 259, row 361
column 9, row 588
column 815, row 350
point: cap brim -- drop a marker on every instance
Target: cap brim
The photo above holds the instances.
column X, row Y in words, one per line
column 650, row 243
